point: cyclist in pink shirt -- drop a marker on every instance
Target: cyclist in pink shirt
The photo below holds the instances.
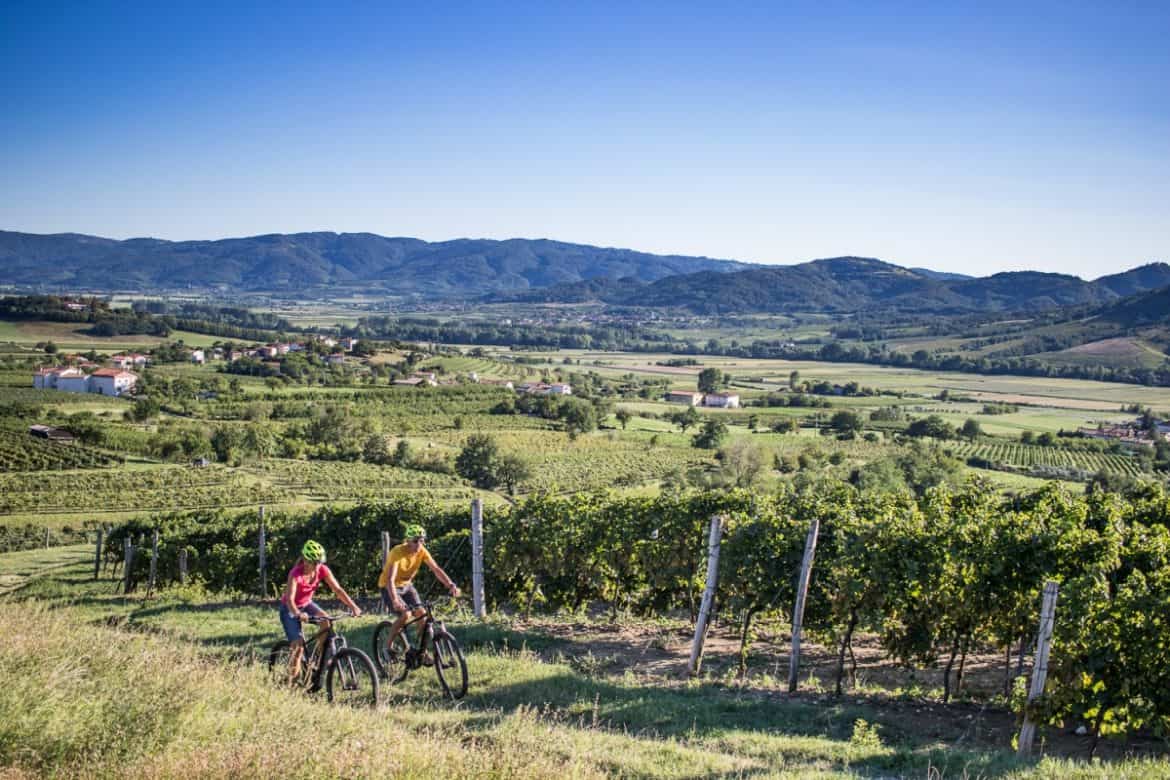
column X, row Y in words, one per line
column 296, row 604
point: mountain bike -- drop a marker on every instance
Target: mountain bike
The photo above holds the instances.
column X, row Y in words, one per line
column 350, row 675
column 400, row 659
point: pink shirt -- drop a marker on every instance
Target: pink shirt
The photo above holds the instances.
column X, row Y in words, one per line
column 304, row 584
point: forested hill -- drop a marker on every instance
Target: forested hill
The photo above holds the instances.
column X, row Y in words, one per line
column 338, row 261
column 853, row 284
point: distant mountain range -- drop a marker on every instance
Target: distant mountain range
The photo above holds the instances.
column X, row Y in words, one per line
column 850, row 284
column 539, row 270
column 313, row 261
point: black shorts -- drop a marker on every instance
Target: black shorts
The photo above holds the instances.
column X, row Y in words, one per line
column 408, row 595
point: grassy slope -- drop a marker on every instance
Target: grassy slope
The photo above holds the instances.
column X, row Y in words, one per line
column 194, row 710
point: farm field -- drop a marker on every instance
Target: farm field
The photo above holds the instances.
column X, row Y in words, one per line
column 1041, row 391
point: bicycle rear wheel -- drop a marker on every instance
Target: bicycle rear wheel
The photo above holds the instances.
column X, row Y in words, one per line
column 391, row 658
column 450, row 665
column 352, row 680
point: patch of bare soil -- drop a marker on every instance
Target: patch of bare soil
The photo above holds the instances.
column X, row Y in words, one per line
column 906, row 702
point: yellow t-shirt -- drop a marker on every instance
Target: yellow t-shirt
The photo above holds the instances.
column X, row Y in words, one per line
column 408, row 565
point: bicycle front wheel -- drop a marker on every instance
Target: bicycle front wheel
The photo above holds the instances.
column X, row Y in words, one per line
column 352, row 679
column 391, row 658
column 450, row 665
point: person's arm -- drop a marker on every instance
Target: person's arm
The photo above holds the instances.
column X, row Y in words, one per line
column 335, row 586
column 442, row 577
column 395, row 602
column 289, row 593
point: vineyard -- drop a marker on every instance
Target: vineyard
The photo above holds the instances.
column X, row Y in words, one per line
column 593, row 462
column 326, row 481
column 160, row 489
column 937, row 579
column 21, row 452
column 1013, row 455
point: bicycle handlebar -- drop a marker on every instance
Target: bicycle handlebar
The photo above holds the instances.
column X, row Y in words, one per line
column 307, row 618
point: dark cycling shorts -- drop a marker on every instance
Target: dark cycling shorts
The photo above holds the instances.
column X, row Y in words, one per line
column 292, row 626
column 408, row 595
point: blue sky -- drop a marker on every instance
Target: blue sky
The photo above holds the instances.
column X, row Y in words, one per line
column 965, row 137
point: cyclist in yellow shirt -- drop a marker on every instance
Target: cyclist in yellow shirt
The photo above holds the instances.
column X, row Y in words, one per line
column 397, row 579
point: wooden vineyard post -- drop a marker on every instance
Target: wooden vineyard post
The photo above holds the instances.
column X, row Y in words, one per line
column 810, row 548
column 383, row 606
column 153, row 563
column 477, row 557
column 1040, row 668
column 46, row 537
column 183, row 566
column 263, row 554
column 713, row 543
column 97, row 554
column 127, row 562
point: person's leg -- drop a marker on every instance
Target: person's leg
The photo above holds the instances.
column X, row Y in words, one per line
column 296, row 642
column 399, row 622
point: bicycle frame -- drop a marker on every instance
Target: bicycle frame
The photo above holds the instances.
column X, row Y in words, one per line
column 325, row 645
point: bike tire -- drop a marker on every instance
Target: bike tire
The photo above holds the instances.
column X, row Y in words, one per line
column 391, row 662
column 352, row 679
column 450, row 665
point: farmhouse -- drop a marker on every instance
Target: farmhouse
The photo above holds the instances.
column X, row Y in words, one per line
column 198, row 357
column 130, row 360
column 111, row 381
column 104, row 381
column 684, row 397
column 541, row 388
column 722, row 400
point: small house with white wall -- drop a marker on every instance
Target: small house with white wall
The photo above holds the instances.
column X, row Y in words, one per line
column 112, row 381
column 684, row 397
column 722, row 400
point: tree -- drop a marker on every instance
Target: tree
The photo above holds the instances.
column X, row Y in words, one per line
column 784, row 425
column 971, row 430
column 685, row 418
column 742, row 463
column 376, row 449
column 711, row 435
column 623, row 416
column 933, row 426
column 753, row 422
column 477, row 460
column 402, row 456
column 511, row 470
column 845, row 421
column 578, row 415
column 709, row 379
column 794, row 381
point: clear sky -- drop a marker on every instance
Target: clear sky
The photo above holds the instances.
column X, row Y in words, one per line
column 971, row 137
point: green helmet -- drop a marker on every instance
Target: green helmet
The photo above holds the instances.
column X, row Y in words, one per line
column 415, row 531
column 313, row 551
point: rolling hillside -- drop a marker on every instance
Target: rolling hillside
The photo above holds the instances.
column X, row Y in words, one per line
column 337, row 261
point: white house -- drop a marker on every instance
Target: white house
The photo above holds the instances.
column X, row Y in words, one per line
column 111, row 381
column 722, row 400
column 198, row 356
column 105, row 381
column 560, row 388
column 71, row 380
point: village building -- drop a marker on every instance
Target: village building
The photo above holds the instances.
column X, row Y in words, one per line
column 104, row 381
column 111, row 381
column 198, row 357
column 684, row 397
column 722, row 400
